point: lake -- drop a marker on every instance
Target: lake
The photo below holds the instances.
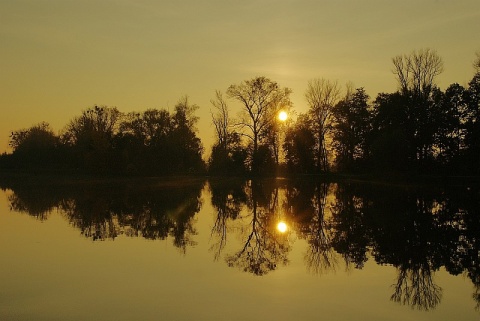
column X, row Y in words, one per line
column 193, row 249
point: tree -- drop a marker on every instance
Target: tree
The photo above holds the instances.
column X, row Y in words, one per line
column 389, row 140
column 37, row 137
column 141, row 139
column 186, row 147
column 476, row 62
column 450, row 136
column 157, row 142
column 416, row 75
column 351, row 129
column 416, row 72
column 322, row 95
column 90, row 137
column 221, row 120
column 228, row 156
column 261, row 99
column 472, row 136
column 101, row 120
column 35, row 147
column 299, row 146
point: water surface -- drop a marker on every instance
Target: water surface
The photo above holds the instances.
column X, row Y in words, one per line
column 195, row 250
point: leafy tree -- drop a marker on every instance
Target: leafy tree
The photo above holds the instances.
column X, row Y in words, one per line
column 230, row 161
column 38, row 136
column 157, row 142
column 140, row 136
column 299, row 146
column 476, row 62
column 472, row 137
column 186, row 147
column 351, row 130
column 90, row 137
column 35, row 147
column 450, row 136
column 389, row 139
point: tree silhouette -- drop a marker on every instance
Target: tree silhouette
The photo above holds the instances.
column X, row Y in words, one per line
column 35, row 147
column 261, row 99
column 186, row 146
column 476, row 62
column 322, row 95
column 351, row 130
column 299, row 146
column 390, row 144
column 228, row 155
column 416, row 75
column 472, row 136
column 90, row 137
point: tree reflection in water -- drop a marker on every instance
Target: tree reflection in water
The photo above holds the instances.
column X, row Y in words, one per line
column 308, row 205
column 415, row 287
column 263, row 247
column 228, row 198
column 105, row 210
column 34, row 201
column 418, row 231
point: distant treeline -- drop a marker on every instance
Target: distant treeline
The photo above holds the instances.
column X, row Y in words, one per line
column 104, row 141
column 418, row 129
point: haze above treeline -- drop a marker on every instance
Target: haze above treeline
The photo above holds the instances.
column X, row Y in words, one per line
column 417, row 129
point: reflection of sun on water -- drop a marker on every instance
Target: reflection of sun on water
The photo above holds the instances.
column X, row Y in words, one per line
column 282, row 227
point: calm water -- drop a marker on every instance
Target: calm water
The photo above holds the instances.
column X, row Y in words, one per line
column 216, row 251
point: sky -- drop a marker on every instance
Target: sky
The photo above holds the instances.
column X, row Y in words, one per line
column 60, row 57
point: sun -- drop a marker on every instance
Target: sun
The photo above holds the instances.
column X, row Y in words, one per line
column 282, row 227
column 282, row 116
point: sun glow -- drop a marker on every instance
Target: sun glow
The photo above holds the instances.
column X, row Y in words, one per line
column 282, row 116
column 282, row 227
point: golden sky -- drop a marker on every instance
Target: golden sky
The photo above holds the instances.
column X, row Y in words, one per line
column 59, row 57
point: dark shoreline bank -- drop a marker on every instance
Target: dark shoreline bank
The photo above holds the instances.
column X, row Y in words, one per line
column 70, row 178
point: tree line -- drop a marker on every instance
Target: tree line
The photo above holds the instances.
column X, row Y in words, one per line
column 103, row 140
column 417, row 129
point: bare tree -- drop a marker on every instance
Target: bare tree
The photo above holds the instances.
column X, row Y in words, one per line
column 261, row 99
column 416, row 72
column 322, row 95
column 221, row 119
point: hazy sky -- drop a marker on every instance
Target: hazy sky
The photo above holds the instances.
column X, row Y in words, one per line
column 59, row 57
